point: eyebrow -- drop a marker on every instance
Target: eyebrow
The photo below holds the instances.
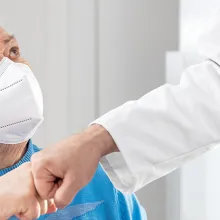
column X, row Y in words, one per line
column 9, row 38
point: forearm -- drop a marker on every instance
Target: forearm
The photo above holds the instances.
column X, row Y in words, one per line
column 102, row 139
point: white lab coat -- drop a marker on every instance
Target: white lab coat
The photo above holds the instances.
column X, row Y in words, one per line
column 168, row 126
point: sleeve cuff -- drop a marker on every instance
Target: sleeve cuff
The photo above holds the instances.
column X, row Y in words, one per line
column 115, row 165
column 118, row 172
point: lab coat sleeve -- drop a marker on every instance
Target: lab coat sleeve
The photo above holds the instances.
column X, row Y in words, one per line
column 165, row 128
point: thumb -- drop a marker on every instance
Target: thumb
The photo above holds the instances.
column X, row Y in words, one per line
column 45, row 183
column 46, row 190
column 66, row 192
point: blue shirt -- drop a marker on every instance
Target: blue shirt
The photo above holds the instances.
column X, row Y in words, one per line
column 99, row 200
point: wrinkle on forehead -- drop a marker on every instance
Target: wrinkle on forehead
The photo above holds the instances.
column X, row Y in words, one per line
column 4, row 34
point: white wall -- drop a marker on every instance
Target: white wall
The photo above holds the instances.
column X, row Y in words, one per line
column 82, row 63
column 134, row 36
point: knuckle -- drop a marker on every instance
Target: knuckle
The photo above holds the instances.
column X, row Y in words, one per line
column 39, row 162
column 36, row 159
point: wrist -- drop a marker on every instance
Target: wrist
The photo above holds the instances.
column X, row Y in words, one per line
column 103, row 140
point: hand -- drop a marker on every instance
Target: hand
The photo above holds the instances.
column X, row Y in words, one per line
column 18, row 196
column 60, row 172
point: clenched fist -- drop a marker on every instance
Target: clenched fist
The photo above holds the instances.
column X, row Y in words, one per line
column 61, row 171
column 18, row 196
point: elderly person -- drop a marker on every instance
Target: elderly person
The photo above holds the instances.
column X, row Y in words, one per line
column 21, row 114
column 17, row 192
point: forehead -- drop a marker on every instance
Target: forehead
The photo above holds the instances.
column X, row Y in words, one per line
column 3, row 33
column 6, row 38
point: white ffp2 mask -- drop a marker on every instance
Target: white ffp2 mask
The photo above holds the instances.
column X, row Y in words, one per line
column 21, row 102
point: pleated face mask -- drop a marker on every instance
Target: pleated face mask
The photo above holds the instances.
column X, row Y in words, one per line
column 21, row 102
